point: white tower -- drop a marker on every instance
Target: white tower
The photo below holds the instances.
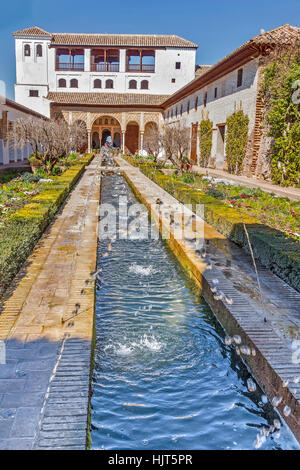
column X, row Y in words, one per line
column 31, row 47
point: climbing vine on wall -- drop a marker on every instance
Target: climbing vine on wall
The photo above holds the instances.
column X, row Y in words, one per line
column 205, row 140
column 281, row 94
column 236, row 140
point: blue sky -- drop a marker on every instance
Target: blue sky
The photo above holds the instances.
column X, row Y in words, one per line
column 217, row 26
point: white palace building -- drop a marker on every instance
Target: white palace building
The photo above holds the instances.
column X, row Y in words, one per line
column 120, row 84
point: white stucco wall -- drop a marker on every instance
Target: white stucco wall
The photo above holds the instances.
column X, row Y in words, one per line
column 11, row 151
column 218, row 109
column 38, row 73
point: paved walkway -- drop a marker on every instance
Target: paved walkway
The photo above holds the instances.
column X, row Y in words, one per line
column 291, row 193
column 266, row 323
column 44, row 384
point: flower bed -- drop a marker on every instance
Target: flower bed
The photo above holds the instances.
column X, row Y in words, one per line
column 21, row 230
column 275, row 250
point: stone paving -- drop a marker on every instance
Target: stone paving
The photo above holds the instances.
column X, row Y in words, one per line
column 47, row 326
column 267, row 323
column 291, row 193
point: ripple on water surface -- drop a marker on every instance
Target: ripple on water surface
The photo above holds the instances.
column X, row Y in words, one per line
column 163, row 377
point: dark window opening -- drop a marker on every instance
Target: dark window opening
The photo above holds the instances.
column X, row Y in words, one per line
column 205, row 99
column 240, row 77
column 39, row 50
column 62, row 83
column 216, row 92
column 188, row 107
column 27, row 50
column 109, row 84
column 196, row 103
column 133, row 84
column 144, row 85
column 173, row 80
column 34, row 93
column 178, row 65
column 74, row 83
column 97, row 83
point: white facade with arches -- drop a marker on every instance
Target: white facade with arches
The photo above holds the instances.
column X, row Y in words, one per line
column 142, row 64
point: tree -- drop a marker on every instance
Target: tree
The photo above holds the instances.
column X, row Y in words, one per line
column 175, row 140
column 152, row 140
column 50, row 140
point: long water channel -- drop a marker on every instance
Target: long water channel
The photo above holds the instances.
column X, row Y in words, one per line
column 164, row 378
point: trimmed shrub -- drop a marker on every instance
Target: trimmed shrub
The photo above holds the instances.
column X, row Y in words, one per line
column 236, row 140
column 273, row 248
column 205, row 137
column 21, row 231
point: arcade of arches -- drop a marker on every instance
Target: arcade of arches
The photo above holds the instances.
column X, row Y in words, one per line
column 127, row 129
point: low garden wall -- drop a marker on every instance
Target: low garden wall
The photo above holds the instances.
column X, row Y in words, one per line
column 21, row 231
column 271, row 247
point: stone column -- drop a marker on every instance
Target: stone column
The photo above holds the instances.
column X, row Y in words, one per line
column 123, row 141
column 89, row 141
column 141, row 142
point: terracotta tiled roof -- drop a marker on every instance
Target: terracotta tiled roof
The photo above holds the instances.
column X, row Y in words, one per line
column 105, row 99
column 33, row 31
column 201, row 69
column 282, row 35
column 132, row 40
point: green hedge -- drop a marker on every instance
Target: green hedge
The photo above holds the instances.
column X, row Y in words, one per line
column 21, row 231
column 274, row 250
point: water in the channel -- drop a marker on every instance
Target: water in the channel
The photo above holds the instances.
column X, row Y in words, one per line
column 163, row 377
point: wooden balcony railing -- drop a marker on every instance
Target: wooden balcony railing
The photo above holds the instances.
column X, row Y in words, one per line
column 67, row 66
column 140, row 68
column 105, row 67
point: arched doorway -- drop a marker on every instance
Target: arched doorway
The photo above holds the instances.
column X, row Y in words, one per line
column 105, row 134
column 106, row 126
column 95, row 140
column 132, row 137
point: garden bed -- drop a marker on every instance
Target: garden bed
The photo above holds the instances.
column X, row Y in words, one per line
column 21, row 229
column 275, row 250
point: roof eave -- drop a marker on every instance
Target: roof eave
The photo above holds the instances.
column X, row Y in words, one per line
column 223, row 67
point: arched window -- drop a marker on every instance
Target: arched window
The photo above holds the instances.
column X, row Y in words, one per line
column 144, row 85
column 74, row 83
column 132, row 84
column 39, row 50
column 27, row 50
column 196, row 103
column 62, row 83
column 97, row 83
column 109, row 84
